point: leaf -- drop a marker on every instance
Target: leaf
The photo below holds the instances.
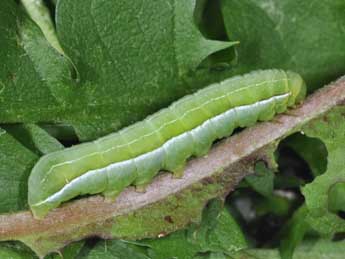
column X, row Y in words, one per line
column 172, row 246
column 151, row 47
column 34, row 138
column 125, row 67
column 113, row 249
column 42, row 140
column 293, row 233
column 11, row 250
column 288, row 34
column 212, row 256
column 35, row 80
column 262, row 181
column 319, row 249
column 336, row 197
column 275, row 204
column 321, row 196
column 39, row 12
column 15, row 164
column 331, row 130
column 71, row 251
column 218, row 232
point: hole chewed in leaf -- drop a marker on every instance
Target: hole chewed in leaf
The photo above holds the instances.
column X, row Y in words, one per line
column 303, row 157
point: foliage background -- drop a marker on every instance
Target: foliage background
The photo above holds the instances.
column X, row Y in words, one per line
column 114, row 62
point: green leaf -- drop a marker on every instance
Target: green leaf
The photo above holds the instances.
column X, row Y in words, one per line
column 34, row 138
column 289, row 34
column 275, row 204
column 293, row 233
column 15, row 250
column 6, row 252
column 42, row 140
column 137, row 69
column 16, row 162
column 126, row 67
column 39, row 12
column 331, row 130
column 319, row 249
column 262, row 181
column 218, row 232
column 336, row 197
column 35, row 80
column 212, row 256
column 173, row 246
column 114, row 249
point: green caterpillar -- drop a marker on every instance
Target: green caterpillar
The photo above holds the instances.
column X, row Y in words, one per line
column 164, row 140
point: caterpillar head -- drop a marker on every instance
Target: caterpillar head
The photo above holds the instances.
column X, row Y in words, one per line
column 297, row 86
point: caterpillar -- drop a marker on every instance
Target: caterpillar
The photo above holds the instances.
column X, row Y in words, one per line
column 164, row 140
